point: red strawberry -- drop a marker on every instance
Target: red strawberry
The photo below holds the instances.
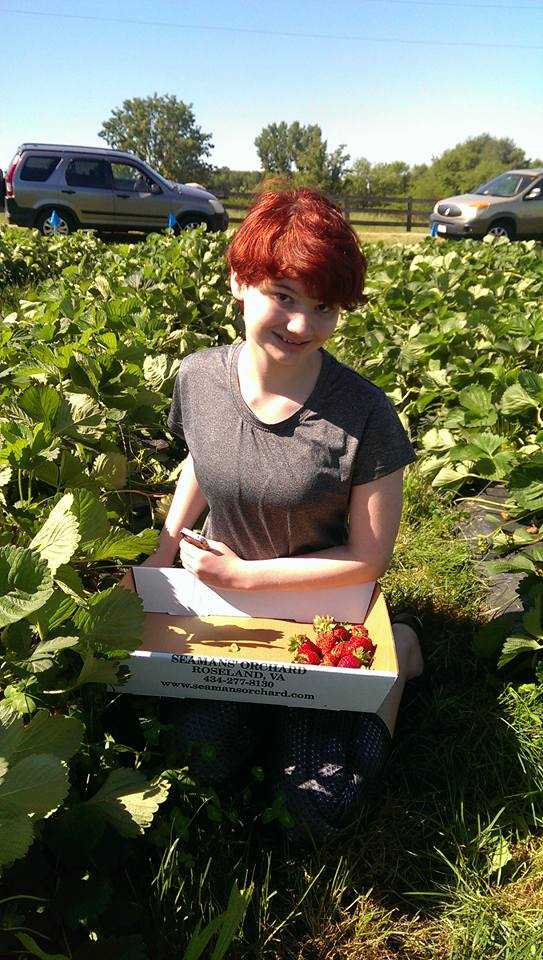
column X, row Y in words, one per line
column 363, row 643
column 308, row 653
column 341, row 633
column 296, row 641
column 329, row 660
column 358, row 630
column 364, row 655
column 339, row 649
column 330, row 638
column 349, row 660
column 325, row 641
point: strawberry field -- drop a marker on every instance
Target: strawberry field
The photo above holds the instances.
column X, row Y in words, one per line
column 108, row 846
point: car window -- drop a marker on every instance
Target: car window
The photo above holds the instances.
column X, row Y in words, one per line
column 506, row 185
column 128, row 177
column 39, row 169
column 87, row 172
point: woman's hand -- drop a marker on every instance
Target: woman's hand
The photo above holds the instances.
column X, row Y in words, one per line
column 218, row 567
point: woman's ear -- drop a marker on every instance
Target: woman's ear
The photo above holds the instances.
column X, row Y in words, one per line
column 236, row 286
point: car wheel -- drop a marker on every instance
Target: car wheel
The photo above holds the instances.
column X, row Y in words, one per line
column 501, row 228
column 66, row 223
column 191, row 220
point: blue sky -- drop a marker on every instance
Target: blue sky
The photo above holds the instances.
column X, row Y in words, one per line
column 390, row 79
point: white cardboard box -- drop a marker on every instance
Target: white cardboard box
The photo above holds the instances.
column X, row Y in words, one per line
column 233, row 645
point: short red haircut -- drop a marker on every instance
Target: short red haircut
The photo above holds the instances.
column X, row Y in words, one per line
column 302, row 235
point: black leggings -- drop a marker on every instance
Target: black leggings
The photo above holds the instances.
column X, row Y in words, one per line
column 325, row 763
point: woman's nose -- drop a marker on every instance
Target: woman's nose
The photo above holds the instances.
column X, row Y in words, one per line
column 298, row 322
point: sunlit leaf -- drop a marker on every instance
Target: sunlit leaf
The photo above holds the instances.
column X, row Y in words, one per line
column 111, row 470
column 57, row 540
column 25, row 583
column 128, row 801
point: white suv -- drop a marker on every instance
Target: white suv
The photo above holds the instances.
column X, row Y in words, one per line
column 510, row 205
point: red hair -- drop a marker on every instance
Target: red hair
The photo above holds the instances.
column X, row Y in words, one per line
column 302, row 235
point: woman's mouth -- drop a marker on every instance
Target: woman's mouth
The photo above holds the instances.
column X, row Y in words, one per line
column 291, row 341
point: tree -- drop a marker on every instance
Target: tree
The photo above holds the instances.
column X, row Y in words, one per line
column 467, row 165
column 162, row 131
column 301, row 153
column 379, row 179
column 223, row 181
column 275, row 146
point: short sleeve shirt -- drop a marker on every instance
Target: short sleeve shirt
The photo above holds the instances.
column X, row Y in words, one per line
column 283, row 489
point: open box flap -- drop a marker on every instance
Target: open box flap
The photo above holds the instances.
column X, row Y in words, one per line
column 177, row 592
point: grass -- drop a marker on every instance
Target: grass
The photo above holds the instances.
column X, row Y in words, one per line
column 447, row 864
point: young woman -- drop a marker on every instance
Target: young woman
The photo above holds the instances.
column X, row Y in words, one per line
column 299, row 460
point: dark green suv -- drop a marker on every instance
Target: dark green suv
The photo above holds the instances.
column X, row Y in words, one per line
column 59, row 188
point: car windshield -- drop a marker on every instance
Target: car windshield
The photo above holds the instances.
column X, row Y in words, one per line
column 506, row 185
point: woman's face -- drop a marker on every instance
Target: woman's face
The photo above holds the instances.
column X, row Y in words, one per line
column 282, row 320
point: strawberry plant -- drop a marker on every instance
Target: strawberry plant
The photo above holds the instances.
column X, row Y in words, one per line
column 454, row 336
column 91, row 337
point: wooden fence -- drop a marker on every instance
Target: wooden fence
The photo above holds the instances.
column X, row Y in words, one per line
column 381, row 211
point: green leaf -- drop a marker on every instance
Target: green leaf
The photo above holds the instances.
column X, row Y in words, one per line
column 57, row 540
column 25, row 583
column 97, row 671
column 54, row 613
column 128, row 801
column 18, row 699
column 477, row 401
column 11, row 730
column 514, row 646
column 70, row 582
column 435, row 439
column 500, row 856
column 232, row 918
column 122, row 545
column 55, row 734
column 532, row 620
column 517, row 564
column 113, row 620
column 6, row 474
column 32, row 947
column 157, row 369
column 111, row 470
column 526, row 483
column 200, row 938
column 532, row 382
column 16, row 836
column 43, row 657
column 516, row 400
column 91, row 516
column 40, row 402
column 35, row 785
column 450, row 476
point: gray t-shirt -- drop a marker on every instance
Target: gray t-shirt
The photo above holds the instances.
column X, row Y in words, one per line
column 283, row 489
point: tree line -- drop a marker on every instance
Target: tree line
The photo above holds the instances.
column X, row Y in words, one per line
column 163, row 131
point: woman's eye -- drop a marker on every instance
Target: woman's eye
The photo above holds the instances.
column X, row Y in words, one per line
column 323, row 308
column 282, row 297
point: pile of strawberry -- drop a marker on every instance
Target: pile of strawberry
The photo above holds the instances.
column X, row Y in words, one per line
column 335, row 645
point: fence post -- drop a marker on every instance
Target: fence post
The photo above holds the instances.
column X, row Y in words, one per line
column 409, row 221
column 347, row 209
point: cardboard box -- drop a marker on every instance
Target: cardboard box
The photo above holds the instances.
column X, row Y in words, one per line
column 228, row 645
